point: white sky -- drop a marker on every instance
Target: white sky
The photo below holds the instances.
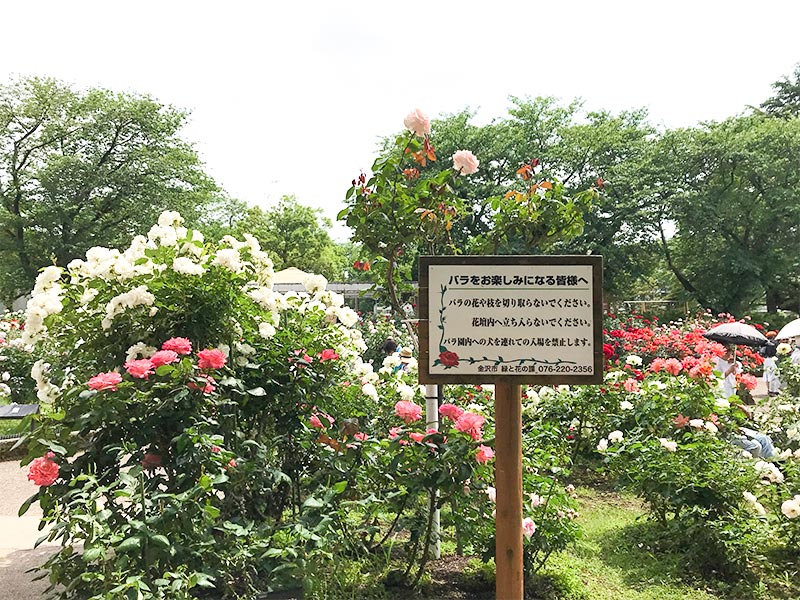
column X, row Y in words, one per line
column 290, row 97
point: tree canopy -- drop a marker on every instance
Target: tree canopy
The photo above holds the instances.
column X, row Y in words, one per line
column 86, row 168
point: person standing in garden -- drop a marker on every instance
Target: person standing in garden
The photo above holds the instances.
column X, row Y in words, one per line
column 770, row 353
column 728, row 367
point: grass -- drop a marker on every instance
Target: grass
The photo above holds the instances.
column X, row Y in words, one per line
column 612, row 561
column 610, row 567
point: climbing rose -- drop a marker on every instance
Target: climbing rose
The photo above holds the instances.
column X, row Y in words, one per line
column 210, row 359
column 418, row 122
column 408, row 411
column 140, row 369
column 43, row 471
column 178, row 344
column 484, row 454
column 465, row 162
column 472, row 424
column 105, row 381
column 451, row 411
column 164, row 357
column 417, row 437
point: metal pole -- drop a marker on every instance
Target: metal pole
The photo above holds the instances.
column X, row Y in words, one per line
column 432, row 422
column 508, row 482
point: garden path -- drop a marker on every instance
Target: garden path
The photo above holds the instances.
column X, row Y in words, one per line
column 18, row 535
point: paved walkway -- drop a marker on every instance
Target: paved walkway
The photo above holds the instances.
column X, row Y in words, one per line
column 18, row 535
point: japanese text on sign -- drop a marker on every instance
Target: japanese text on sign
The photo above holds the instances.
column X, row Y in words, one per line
column 511, row 319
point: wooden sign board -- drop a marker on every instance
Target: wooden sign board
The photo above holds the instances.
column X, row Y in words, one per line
column 511, row 319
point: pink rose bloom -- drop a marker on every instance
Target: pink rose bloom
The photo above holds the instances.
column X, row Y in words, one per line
column 418, row 122
column 673, row 366
column 408, row 411
column 465, row 162
column 417, row 437
column 328, row 354
column 657, row 364
column 528, row 527
column 163, row 357
column 451, row 411
column 394, row 433
column 178, row 344
column 472, row 424
column 210, row 359
column 105, row 381
column 631, row 385
column 43, row 471
column 484, row 454
column 360, row 436
column 140, row 369
column 216, row 449
column 206, row 387
column 315, row 422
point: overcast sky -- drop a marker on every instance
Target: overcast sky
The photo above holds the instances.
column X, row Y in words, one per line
column 291, row 97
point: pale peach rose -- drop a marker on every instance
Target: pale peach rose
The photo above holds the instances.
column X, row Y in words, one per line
column 465, row 162
column 418, row 122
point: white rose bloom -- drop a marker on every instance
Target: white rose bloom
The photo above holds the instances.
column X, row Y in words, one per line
column 4, row 390
column 625, row 405
column 709, row 426
column 140, row 350
column 170, row 218
column 347, row 316
column 369, row 390
column 615, row 436
column 722, row 403
column 602, row 445
column 266, row 330
column 228, row 258
column 315, row 283
column 532, row 395
column 697, row 423
column 633, row 360
column 790, row 509
column 232, row 242
column 791, row 433
column 164, row 235
column 669, row 445
column 6, row 376
column 391, row 361
column 186, row 266
column 406, row 391
column 88, row 295
column 370, row 377
column 545, row 391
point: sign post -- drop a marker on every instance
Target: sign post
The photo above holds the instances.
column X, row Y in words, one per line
column 510, row 320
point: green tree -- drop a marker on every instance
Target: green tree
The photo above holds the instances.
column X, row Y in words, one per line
column 79, row 169
column 295, row 235
column 785, row 103
column 737, row 216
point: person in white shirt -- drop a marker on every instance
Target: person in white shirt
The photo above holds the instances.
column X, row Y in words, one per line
column 729, row 368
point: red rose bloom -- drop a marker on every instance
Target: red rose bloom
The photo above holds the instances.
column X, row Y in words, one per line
column 43, row 471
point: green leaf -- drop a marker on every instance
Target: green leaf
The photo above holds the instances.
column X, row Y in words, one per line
column 164, row 370
column 92, row 554
column 130, row 544
column 259, row 391
column 312, row 502
column 339, row 487
column 160, row 540
column 27, row 504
